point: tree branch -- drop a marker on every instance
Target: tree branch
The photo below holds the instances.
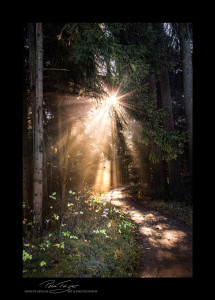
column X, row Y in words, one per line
column 55, row 69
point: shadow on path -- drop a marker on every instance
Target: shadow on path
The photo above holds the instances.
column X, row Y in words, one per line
column 166, row 243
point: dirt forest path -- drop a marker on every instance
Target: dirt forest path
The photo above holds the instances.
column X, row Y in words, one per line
column 166, row 243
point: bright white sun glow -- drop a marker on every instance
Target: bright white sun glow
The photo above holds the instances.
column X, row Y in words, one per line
column 112, row 100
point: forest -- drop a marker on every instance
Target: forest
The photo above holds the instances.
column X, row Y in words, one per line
column 107, row 108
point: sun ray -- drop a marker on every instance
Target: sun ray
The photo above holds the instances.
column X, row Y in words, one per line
column 93, row 139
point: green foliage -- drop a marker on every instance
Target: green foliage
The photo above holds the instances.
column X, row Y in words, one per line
column 164, row 145
column 106, row 246
column 52, row 196
column 43, row 263
column 73, row 237
column 71, row 192
column 42, row 247
column 66, row 233
column 90, row 50
column 56, row 217
column 48, row 243
column 26, row 255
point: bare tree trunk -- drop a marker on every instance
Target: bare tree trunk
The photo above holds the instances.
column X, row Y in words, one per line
column 173, row 165
column 188, row 84
column 32, row 81
column 38, row 135
column 145, row 167
column 25, row 153
column 32, row 55
column 24, row 189
column 27, row 161
column 159, row 180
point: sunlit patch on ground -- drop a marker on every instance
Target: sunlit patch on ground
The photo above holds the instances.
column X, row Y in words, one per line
column 167, row 244
column 115, row 194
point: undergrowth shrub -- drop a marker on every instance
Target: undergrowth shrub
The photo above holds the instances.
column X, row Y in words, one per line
column 90, row 238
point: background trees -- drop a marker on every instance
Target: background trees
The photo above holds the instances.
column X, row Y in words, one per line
column 65, row 144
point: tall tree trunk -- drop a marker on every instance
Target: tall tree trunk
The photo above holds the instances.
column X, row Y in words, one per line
column 24, row 188
column 25, row 154
column 38, row 134
column 32, row 55
column 173, row 165
column 32, row 99
column 159, row 180
column 188, row 84
column 175, row 185
column 146, row 169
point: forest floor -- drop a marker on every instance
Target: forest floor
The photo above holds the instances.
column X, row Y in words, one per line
column 166, row 242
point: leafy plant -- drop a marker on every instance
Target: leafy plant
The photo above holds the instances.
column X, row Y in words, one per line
column 78, row 230
column 52, row 196
column 87, row 255
column 56, row 217
column 73, row 237
column 67, row 233
column 26, row 255
column 42, row 247
column 42, row 263
column 48, row 243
